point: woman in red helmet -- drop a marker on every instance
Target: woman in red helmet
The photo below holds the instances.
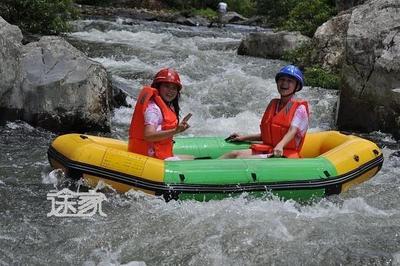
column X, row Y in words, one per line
column 156, row 117
column 284, row 123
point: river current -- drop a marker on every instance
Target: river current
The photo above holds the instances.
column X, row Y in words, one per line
column 226, row 93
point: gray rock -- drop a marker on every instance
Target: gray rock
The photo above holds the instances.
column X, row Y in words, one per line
column 13, row 33
column 51, row 84
column 10, row 45
column 370, row 97
column 232, row 17
column 191, row 21
column 271, row 45
column 329, row 42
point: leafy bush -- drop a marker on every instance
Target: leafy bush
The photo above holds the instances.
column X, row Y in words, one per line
column 307, row 16
column 39, row 16
column 207, row 13
column 314, row 74
column 276, row 11
column 244, row 7
column 300, row 56
column 318, row 77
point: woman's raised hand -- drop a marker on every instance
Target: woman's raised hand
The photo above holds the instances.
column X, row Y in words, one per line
column 183, row 125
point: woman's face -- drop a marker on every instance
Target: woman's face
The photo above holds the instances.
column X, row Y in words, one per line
column 168, row 91
column 286, row 86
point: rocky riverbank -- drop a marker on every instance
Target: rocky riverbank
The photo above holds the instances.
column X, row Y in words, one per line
column 163, row 15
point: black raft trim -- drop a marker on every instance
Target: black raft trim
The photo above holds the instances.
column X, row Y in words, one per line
column 331, row 184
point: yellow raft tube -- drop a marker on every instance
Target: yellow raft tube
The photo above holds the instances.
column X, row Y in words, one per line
column 332, row 163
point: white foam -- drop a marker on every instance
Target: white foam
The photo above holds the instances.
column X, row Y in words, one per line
column 19, row 125
column 53, row 177
column 132, row 65
column 103, row 257
column 123, row 115
column 396, row 259
column 141, row 39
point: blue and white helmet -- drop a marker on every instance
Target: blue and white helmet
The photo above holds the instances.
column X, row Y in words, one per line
column 293, row 72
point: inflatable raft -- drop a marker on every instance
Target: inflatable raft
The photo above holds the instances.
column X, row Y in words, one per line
column 332, row 163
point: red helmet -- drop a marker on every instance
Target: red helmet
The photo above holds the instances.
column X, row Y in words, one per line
column 167, row 75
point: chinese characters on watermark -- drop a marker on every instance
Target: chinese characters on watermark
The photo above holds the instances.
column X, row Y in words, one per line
column 66, row 203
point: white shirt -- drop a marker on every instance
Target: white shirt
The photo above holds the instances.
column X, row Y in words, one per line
column 222, row 7
column 300, row 121
column 153, row 116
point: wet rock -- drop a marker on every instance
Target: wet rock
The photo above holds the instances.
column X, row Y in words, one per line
column 10, row 45
column 271, row 45
column 51, row 84
column 370, row 94
column 254, row 21
column 233, row 17
column 191, row 21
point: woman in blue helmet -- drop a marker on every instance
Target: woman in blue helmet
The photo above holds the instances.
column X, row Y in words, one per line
column 284, row 123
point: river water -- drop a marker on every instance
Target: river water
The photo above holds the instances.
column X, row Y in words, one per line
column 226, row 93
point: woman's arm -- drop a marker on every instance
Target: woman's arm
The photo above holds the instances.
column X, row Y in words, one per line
column 237, row 137
column 152, row 135
column 278, row 149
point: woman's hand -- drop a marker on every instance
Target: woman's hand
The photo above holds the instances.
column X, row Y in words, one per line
column 182, row 127
column 234, row 137
column 278, row 150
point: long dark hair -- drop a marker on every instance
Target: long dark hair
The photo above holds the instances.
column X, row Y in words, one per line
column 174, row 102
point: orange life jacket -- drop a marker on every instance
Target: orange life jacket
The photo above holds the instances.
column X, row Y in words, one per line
column 137, row 144
column 274, row 126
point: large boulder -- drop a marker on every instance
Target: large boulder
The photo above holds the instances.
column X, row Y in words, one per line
column 10, row 45
column 271, row 45
column 51, row 84
column 370, row 95
column 329, row 42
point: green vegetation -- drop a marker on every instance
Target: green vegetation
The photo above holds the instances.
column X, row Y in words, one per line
column 296, row 15
column 307, row 16
column 314, row 74
column 246, row 8
column 207, row 13
column 300, row 56
column 276, row 11
column 39, row 16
